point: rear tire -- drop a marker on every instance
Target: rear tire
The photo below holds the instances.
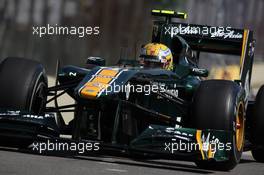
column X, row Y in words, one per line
column 218, row 104
column 257, row 127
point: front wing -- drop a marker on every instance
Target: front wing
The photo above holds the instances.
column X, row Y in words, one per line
column 176, row 143
column 19, row 126
column 185, row 143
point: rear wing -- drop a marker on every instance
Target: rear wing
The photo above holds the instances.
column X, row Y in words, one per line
column 203, row 38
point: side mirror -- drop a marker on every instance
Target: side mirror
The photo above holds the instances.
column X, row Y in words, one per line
column 199, row 72
column 98, row 61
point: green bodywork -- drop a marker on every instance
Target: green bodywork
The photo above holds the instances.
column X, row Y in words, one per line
column 164, row 117
column 149, row 123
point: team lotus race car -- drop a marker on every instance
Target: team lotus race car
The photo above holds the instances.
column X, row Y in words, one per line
column 176, row 113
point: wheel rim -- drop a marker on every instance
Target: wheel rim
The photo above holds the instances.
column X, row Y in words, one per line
column 39, row 99
column 240, row 125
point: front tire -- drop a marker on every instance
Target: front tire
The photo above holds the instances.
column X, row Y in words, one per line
column 23, row 88
column 218, row 104
column 23, row 85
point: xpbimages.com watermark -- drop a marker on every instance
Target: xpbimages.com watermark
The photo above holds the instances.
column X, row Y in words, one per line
column 213, row 32
column 174, row 147
column 181, row 142
column 80, row 31
column 146, row 89
column 80, row 147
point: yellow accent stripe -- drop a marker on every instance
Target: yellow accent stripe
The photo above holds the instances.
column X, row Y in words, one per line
column 210, row 153
column 182, row 13
column 167, row 12
column 98, row 83
column 199, row 141
column 170, row 12
column 156, row 11
column 242, row 57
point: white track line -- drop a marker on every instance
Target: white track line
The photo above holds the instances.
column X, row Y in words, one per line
column 116, row 170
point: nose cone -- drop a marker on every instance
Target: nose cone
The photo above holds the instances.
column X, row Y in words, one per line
column 100, row 81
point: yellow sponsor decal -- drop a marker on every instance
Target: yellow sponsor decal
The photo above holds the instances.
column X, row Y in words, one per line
column 100, row 82
column 206, row 149
column 210, row 152
column 199, row 141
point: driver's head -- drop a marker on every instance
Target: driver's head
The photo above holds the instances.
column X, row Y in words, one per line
column 156, row 55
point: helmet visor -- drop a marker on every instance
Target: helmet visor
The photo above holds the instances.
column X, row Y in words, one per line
column 152, row 61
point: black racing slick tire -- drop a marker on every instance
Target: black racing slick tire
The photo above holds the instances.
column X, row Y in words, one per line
column 23, row 85
column 219, row 105
column 23, row 88
column 257, row 127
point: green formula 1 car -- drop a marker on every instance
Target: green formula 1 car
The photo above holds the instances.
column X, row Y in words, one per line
column 178, row 114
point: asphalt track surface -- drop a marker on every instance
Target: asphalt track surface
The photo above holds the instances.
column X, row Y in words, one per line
column 13, row 162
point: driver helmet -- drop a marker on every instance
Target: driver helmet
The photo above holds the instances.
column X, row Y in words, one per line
column 156, row 55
